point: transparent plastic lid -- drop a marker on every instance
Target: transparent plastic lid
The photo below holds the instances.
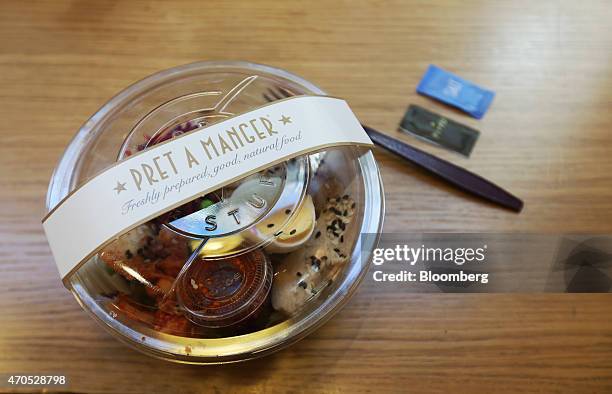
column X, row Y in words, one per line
column 239, row 271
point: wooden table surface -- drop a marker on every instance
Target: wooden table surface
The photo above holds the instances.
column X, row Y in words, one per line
column 547, row 138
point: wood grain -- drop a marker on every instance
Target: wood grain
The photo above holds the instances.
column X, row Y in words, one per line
column 546, row 138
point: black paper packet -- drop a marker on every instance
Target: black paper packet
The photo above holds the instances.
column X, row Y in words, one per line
column 439, row 130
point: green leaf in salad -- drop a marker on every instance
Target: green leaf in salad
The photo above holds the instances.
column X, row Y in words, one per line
column 109, row 270
column 206, row 203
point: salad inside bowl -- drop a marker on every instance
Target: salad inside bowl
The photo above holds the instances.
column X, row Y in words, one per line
column 246, row 286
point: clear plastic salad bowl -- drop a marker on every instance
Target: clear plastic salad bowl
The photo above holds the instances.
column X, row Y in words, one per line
column 244, row 294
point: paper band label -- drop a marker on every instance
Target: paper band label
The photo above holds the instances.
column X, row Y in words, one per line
column 168, row 175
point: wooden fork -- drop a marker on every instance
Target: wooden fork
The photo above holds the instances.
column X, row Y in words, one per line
column 452, row 174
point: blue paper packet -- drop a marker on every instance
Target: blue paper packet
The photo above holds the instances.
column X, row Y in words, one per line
column 455, row 91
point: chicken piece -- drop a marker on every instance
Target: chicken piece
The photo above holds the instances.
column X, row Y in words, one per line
column 172, row 244
column 161, row 287
column 171, row 265
column 175, row 252
column 123, row 256
column 172, row 323
column 135, row 268
column 130, row 309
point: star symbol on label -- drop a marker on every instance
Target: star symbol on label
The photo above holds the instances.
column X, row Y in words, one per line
column 285, row 119
column 120, row 187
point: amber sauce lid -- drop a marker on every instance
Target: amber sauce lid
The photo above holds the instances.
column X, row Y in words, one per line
column 225, row 291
